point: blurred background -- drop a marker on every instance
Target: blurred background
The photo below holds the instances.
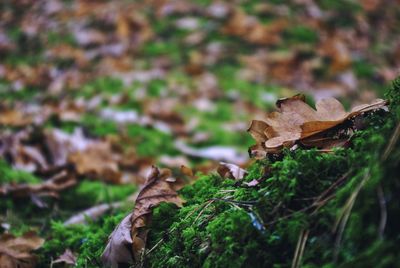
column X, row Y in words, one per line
column 95, row 92
column 160, row 79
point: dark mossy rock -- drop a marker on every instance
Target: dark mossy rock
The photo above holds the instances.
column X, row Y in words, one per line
column 343, row 206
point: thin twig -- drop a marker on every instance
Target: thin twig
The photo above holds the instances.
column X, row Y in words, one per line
column 201, row 211
column 392, row 143
column 382, row 205
column 337, row 183
column 345, row 214
column 244, row 203
column 301, row 243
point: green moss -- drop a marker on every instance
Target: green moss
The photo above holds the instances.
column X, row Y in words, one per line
column 88, row 240
column 99, row 127
column 149, row 141
column 225, row 221
column 11, row 175
column 156, row 87
column 363, row 68
column 90, row 193
column 103, row 85
column 301, row 34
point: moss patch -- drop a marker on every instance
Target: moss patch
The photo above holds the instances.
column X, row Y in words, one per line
column 225, row 221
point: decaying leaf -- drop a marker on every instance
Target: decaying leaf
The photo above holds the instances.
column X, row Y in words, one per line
column 231, row 171
column 297, row 121
column 14, row 118
column 155, row 191
column 50, row 187
column 98, row 162
column 67, row 257
column 16, row 251
column 127, row 242
column 118, row 249
column 253, row 31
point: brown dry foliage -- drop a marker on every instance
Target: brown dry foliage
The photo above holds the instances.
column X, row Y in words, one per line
column 16, row 251
column 296, row 121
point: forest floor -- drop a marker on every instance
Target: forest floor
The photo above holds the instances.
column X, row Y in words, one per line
column 94, row 93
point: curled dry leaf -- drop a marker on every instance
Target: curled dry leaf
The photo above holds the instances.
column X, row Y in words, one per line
column 252, row 30
column 16, row 251
column 296, row 121
column 118, row 249
column 155, row 191
column 67, row 257
column 98, row 162
column 50, row 187
column 231, row 171
column 132, row 231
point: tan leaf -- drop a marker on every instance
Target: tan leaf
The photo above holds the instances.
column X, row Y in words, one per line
column 231, row 171
column 67, row 257
column 50, row 187
column 14, row 118
column 16, row 251
column 97, row 162
column 257, row 130
column 252, row 30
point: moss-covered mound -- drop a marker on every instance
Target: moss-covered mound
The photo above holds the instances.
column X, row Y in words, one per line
column 310, row 209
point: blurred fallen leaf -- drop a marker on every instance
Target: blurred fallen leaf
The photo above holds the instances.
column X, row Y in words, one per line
column 252, row 30
column 252, row 183
column 231, row 171
column 16, row 251
column 97, row 162
column 67, row 257
column 50, row 187
column 11, row 117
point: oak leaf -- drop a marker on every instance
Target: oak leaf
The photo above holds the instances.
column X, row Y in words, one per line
column 296, row 121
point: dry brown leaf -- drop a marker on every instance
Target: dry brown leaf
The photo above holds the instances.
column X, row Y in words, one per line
column 231, row 171
column 155, row 191
column 250, row 29
column 16, row 251
column 132, row 232
column 118, row 249
column 14, row 118
column 297, row 121
column 67, row 257
column 50, row 187
column 97, row 162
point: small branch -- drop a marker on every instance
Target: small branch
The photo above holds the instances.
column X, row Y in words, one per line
column 392, row 143
column 299, row 252
column 202, row 210
column 345, row 214
column 382, row 205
